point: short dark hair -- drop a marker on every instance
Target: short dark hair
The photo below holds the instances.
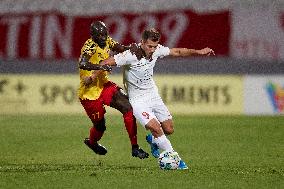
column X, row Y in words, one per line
column 98, row 27
column 152, row 34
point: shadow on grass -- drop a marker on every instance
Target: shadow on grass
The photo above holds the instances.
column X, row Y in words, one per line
column 13, row 168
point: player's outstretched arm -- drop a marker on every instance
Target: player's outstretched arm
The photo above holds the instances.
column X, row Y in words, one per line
column 191, row 52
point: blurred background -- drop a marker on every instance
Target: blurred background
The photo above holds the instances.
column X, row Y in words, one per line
column 41, row 41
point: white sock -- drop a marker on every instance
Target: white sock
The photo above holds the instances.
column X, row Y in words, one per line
column 163, row 143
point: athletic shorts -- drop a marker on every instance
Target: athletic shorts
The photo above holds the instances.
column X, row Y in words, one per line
column 147, row 107
column 95, row 108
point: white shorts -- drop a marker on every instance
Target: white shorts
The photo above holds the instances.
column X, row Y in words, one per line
column 146, row 108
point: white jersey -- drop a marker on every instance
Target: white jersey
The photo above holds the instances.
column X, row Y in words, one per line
column 138, row 74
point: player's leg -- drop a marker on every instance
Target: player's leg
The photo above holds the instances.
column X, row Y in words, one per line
column 161, row 140
column 167, row 126
column 115, row 98
column 140, row 110
column 159, row 137
column 95, row 111
column 166, row 121
column 150, row 138
column 120, row 102
column 164, row 116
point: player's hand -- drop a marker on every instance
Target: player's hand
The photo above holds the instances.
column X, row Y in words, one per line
column 207, row 51
column 107, row 68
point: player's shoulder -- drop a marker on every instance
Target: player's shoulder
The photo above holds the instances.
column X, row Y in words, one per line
column 161, row 47
column 111, row 42
column 89, row 46
column 161, row 51
column 125, row 57
column 135, row 49
column 89, row 42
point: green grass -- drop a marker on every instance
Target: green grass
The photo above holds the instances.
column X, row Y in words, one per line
column 222, row 152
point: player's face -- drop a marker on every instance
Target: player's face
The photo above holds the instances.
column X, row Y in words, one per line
column 101, row 38
column 149, row 47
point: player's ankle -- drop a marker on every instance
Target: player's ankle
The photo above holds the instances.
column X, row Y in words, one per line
column 135, row 146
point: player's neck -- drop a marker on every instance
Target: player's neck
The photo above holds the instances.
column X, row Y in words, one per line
column 144, row 55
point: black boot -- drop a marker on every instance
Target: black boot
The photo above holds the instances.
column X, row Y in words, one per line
column 138, row 152
column 97, row 148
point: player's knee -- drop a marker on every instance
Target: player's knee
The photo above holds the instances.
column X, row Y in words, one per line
column 168, row 127
column 155, row 128
column 169, row 130
column 100, row 125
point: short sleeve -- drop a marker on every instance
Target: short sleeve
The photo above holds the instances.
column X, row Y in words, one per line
column 124, row 58
column 161, row 51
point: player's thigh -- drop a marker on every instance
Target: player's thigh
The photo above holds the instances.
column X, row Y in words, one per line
column 94, row 109
column 164, row 116
column 108, row 92
column 120, row 102
column 161, row 111
column 142, row 113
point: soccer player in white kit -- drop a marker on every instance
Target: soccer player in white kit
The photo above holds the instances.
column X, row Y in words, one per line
column 148, row 107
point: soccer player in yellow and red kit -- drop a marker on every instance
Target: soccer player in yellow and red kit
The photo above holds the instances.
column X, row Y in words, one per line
column 96, row 90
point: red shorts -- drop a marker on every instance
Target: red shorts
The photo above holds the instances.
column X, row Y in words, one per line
column 95, row 108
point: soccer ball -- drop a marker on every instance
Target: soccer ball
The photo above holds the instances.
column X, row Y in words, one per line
column 168, row 160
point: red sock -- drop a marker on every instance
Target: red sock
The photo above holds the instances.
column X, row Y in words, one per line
column 131, row 127
column 95, row 135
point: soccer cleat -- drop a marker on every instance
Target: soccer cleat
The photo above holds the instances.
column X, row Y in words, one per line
column 97, row 148
column 182, row 165
column 138, row 152
column 154, row 148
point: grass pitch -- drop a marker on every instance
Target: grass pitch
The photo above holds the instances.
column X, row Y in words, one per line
column 222, row 152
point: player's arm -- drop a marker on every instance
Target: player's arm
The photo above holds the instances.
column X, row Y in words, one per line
column 121, row 48
column 120, row 59
column 90, row 79
column 190, row 52
column 110, row 61
column 84, row 64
